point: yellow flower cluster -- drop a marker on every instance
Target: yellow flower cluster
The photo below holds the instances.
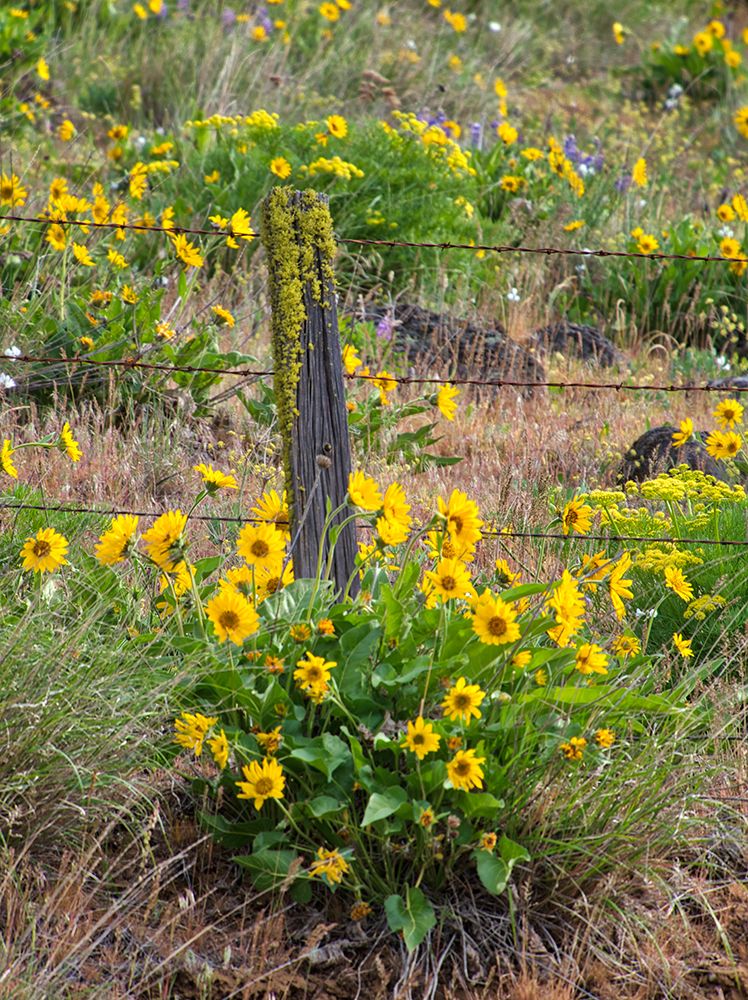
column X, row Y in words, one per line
column 332, row 165
column 604, row 498
column 682, row 483
column 436, row 139
column 258, row 119
column 703, row 606
column 657, row 559
column 638, row 521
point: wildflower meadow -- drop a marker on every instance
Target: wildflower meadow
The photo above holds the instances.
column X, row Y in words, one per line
column 373, row 512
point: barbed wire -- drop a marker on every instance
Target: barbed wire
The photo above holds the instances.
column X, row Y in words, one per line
column 133, row 363
column 137, row 226
column 60, row 506
column 406, row 244
column 543, row 251
column 502, row 533
column 380, row 378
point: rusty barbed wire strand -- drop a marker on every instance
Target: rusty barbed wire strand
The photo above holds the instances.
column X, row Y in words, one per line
column 502, row 533
column 62, row 507
column 143, row 228
column 543, row 251
column 132, row 363
column 619, row 386
column 406, row 244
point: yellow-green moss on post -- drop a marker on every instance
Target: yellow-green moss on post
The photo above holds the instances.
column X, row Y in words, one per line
column 295, row 226
column 297, row 233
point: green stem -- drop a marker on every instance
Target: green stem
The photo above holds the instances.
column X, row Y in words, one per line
column 63, row 281
column 196, row 598
column 437, row 644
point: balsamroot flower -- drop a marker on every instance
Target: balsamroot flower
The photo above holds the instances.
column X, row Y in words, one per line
column 420, row 738
column 69, row 445
column 273, row 507
column 464, row 770
column 330, row 865
column 445, row 401
column 232, row 615
column 191, row 730
column 363, row 492
column 118, row 541
column 677, row 582
column 215, row 480
column 682, row 645
column 45, row 552
column 264, row 781
column 261, row 545
column 728, row 413
column 577, row 516
column 6, row 460
column 462, row 701
column 312, row 676
column 685, row 433
column 450, row 579
column 494, row 621
column 164, row 540
column 591, row 659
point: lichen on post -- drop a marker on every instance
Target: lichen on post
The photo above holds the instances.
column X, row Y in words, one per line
column 297, row 234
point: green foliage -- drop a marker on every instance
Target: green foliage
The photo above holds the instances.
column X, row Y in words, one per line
column 708, row 66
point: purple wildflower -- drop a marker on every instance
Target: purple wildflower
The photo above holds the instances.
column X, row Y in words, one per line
column 385, row 327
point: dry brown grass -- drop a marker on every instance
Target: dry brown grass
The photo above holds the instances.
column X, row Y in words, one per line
column 153, row 909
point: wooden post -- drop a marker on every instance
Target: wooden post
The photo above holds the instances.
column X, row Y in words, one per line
column 298, row 238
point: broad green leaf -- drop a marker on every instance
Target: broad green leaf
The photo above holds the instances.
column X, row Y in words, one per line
column 384, row 804
column 204, row 567
column 522, row 590
column 603, row 695
column 414, row 916
column 394, row 612
column 324, row 805
column 268, row 868
column 326, row 753
column 480, row 804
column 495, row 869
column 232, row 834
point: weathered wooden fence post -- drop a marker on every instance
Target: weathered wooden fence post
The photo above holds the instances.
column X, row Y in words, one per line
column 297, row 233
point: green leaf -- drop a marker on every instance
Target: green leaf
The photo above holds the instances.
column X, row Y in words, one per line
column 268, row 868
column 523, row 590
column 384, row 804
column 324, row 805
column 394, row 613
column 326, row 753
column 494, row 870
column 413, row 916
column 204, row 567
column 439, row 460
column 603, row 695
column 481, row 804
column 231, row 834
